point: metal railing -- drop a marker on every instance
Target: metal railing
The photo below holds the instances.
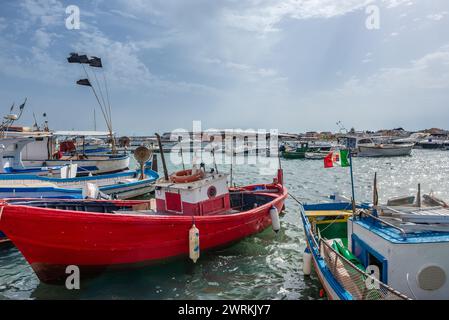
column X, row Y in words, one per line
column 359, row 284
column 402, row 231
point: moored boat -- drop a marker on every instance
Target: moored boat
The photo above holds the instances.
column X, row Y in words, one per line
column 384, row 150
column 121, row 185
column 341, row 258
column 97, row 235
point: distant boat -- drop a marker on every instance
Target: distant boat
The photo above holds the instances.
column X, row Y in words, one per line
column 295, row 152
column 194, row 211
column 433, row 143
column 384, row 150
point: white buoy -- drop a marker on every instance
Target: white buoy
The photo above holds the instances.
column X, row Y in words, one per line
column 194, row 243
column 276, row 223
column 307, row 262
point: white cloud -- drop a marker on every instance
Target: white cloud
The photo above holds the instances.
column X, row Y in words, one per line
column 46, row 12
column 43, row 39
column 264, row 15
column 3, row 24
column 437, row 16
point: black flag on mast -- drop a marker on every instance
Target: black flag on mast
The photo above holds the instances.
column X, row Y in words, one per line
column 23, row 104
column 74, row 58
column 83, row 59
column 95, row 62
column 84, row 82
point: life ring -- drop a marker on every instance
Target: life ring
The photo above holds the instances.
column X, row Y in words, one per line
column 186, row 176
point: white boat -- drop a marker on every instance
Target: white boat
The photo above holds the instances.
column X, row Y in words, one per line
column 122, row 185
column 384, row 150
column 32, row 153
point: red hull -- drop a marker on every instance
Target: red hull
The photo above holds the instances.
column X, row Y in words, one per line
column 51, row 239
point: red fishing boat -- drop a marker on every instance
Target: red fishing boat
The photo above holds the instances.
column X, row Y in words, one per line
column 189, row 215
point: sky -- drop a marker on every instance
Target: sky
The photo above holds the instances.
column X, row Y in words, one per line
column 291, row 65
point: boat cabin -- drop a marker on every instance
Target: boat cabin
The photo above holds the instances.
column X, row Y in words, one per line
column 209, row 195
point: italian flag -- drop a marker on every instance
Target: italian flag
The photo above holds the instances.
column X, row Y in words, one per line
column 339, row 158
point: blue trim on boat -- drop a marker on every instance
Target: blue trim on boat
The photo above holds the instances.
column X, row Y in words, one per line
column 395, row 236
column 342, row 293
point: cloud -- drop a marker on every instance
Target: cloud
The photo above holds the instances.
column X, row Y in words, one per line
column 3, row 24
column 437, row 16
column 265, row 15
column 390, row 96
column 43, row 39
column 123, row 14
column 45, row 12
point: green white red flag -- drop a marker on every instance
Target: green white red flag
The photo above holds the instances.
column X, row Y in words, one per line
column 337, row 158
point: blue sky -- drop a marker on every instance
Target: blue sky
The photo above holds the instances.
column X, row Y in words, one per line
column 293, row 65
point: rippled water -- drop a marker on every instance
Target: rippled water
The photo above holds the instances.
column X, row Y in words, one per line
column 265, row 266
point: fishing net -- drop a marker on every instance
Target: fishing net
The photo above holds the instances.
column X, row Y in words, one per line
column 358, row 283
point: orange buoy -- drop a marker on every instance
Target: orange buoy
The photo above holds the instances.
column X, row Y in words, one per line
column 186, row 176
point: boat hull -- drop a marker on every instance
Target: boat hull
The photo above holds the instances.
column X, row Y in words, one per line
column 51, row 239
column 124, row 185
column 96, row 165
column 376, row 151
column 293, row 155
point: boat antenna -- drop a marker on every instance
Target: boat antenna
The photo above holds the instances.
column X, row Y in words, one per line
column 182, row 155
column 161, row 150
column 352, row 180
column 213, row 158
column 95, row 121
column 35, row 122
column 232, row 158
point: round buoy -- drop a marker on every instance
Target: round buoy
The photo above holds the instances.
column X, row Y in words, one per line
column 307, row 262
column 194, row 243
column 275, row 222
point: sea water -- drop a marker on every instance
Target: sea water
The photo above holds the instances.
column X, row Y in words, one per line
column 264, row 266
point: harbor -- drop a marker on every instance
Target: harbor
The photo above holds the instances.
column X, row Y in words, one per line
column 220, row 158
column 176, row 207
column 229, row 273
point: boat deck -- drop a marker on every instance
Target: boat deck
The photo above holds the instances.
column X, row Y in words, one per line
column 395, row 235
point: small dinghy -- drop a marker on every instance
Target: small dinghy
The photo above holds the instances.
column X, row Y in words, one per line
column 194, row 210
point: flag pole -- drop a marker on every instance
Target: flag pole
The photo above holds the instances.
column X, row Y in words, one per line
column 352, row 180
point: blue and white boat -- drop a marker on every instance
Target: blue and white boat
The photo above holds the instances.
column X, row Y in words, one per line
column 122, row 185
column 380, row 253
column 13, row 149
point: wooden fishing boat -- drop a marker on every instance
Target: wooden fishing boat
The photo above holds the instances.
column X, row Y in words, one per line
column 122, row 185
column 298, row 152
column 341, row 253
column 13, row 150
column 384, row 150
column 196, row 214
